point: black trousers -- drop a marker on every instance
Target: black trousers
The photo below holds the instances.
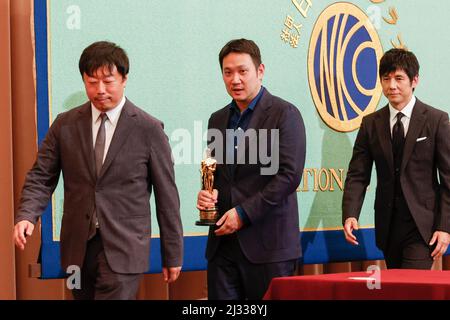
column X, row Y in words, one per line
column 231, row 276
column 99, row 282
column 406, row 248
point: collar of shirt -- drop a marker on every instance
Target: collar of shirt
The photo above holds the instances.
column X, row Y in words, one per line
column 252, row 104
column 407, row 110
column 113, row 114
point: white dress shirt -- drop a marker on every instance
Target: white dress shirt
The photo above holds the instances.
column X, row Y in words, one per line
column 110, row 124
column 407, row 112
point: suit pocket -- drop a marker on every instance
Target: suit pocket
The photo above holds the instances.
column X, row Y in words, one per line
column 135, row 216
column 138, row 225
column 423, row 149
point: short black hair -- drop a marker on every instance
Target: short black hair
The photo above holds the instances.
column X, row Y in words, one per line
column 241, row 46
column 399, row 59
column 103, row 54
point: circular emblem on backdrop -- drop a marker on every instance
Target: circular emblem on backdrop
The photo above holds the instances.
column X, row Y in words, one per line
column 343, row 58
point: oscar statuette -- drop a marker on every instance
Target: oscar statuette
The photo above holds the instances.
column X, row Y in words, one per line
column 208, row 216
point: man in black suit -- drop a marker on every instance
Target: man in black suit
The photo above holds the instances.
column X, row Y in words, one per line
column 409, row 142
column 112, row 154
column 257, row 235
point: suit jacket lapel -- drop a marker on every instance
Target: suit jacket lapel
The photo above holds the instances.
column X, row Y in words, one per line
column 84, row 125
column 221, row 124
column 415, row 127
column 223, row 121
column 260, row 114
column 125, row 126
column 383, row 127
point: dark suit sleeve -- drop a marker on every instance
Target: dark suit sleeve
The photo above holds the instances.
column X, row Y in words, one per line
column 291, row 158
column 166, row 198
column 42, row 179
column 358, row 175
column 443, row 165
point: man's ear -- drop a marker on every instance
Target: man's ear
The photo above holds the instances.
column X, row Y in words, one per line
column 261, row 70
column 415, row 82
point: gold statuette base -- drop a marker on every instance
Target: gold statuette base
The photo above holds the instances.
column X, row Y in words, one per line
column 208, row 217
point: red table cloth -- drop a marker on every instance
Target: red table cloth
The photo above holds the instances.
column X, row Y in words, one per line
column 385, row 285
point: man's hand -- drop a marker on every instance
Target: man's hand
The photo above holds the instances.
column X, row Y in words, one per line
column 21, row 230
column 443, row 239
column 171, row 274
column 229, row 223
column 206, row 200
column 350, row 225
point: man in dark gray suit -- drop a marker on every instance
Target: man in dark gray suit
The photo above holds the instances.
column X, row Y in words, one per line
column 112, row 154
column 409, row 142
column 257, row 235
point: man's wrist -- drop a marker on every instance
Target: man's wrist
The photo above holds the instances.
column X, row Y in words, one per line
column 242, row 215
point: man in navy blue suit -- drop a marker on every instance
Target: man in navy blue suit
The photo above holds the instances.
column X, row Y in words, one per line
column 257, row 235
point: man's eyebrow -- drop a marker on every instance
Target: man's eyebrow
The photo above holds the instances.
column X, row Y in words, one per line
column 235, row 67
